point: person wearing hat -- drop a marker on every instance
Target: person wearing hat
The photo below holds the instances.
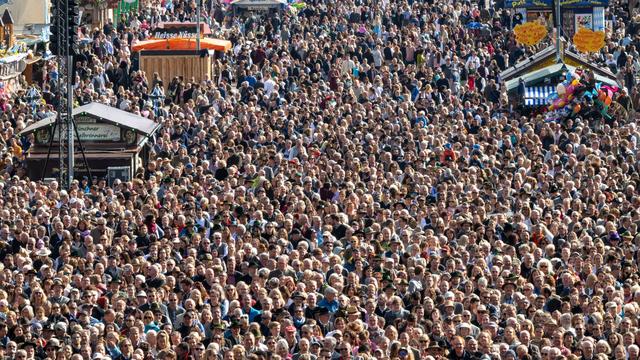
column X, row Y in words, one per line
column 323, row 317
column 298, row 298
column 51, row 347
column 57, row 295
column 437, row 349
column 232, row 336
column 352, row 313
column 508, row 289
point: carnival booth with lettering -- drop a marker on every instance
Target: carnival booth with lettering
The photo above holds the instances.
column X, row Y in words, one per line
column 576, row 14
column 172, row 51
column 111, row 138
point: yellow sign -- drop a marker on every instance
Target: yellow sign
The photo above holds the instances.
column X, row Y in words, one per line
column 588, row 41
column 530, row 33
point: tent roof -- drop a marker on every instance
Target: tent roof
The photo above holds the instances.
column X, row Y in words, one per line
column 206, row 30
column 107, row 114
column 182, row 44
column 258, row 3
column 522, row 68
column 549, row 71
column 7, row 18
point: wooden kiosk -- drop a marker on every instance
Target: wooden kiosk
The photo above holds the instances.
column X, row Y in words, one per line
column 173, row 52
column 111, row 138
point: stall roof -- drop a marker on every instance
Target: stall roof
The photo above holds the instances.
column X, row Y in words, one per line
column 205, row 29
column 549, row 71
column 182, row 44
column 258, row 3
column 548, row 55
column 7, row 18
column 107, row 114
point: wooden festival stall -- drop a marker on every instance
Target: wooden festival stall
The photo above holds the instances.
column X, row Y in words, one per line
column 173, row 52
column 112, row 139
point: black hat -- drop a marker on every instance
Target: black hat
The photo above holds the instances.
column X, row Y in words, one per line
column 28, row 343
column 321, row 311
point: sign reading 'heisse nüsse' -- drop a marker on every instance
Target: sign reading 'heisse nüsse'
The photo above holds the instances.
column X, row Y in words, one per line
column 178, row 30
column 173, row 34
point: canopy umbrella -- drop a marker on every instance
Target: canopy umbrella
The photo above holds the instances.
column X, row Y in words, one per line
column 182, row 44
column 474, row 25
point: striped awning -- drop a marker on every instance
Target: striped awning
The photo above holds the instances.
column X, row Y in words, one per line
column 537, row 95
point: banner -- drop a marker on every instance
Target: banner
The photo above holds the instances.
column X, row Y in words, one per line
column 584, row 3
column 530, row 33
column 528, row 4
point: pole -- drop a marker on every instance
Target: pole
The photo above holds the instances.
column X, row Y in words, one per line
column 70, row 122
column 558, row 31
column 199, row 5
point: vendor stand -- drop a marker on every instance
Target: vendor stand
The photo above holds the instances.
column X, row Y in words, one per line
column 173, row 51
column 110, row 137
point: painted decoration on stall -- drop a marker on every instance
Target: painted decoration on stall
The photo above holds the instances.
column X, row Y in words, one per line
column 530, row 33
column 584, row 21
column 588, row 40
column 528, row 3
column 584, row 3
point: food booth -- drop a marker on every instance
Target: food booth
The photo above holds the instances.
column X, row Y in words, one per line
column 173, row 52
column 110, row 138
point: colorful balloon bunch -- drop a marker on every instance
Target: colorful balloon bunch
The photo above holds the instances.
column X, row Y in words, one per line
column 571, row 97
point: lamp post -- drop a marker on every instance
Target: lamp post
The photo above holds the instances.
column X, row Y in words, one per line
column 558, row 31
column 198, row 6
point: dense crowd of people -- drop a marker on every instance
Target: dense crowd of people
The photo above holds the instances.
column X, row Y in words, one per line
column 353, row 183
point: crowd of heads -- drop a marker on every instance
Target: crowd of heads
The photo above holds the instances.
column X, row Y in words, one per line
column 353, row 182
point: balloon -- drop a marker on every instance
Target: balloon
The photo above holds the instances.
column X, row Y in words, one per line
column 602, row 96
column 561, row 89
column 569, row 76
column 570, row 97
column 570, row 89
column 575, row 82
column 551, row 107
column 607, row 101
column 577, row 108
column 560, row 103
column 598, row 84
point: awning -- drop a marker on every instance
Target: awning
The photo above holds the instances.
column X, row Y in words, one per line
column 182, row 44
column 204, row 27
column 537, row 95
column 108, row 115
column 549, row 71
